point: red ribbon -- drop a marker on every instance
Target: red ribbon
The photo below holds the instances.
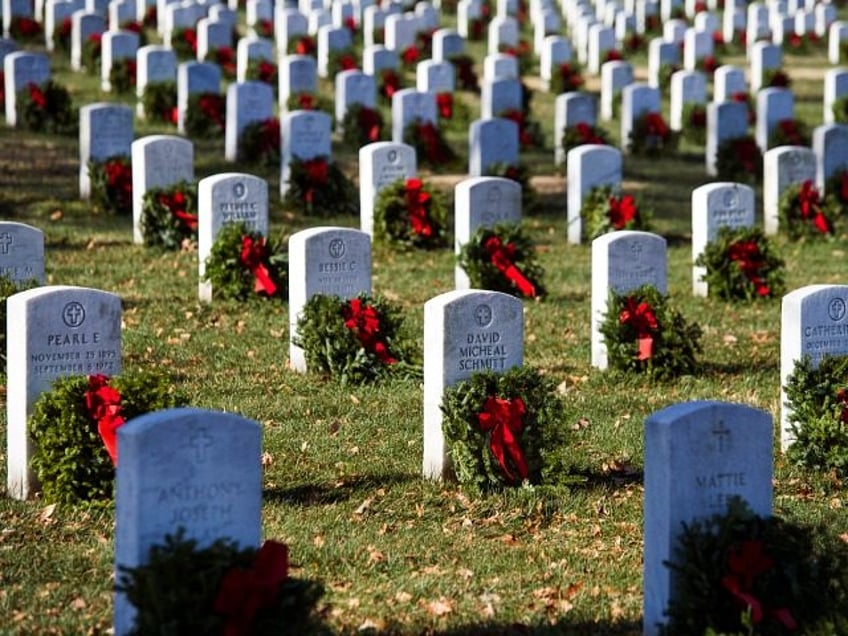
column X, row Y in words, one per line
column 429, row 136
column 104, row 407
column 504, row 419
column 391, row 83
column 305, row 46
column 37, row 96
column 417, row 203
column 176, row 204
column 809, row 205
column 348, row 62
column 747, row 255
column 789, row 128
column 746, row 150
column 306, row 101
column 317, row 174
column 370, row 122
column 253, row 254
column 587, row 133
column 444, row 102
column 656, row 126
column 365, row 320
column 410, row 55
column 211, row 105
column 622, row 210
column 640, row 317
column 502, row 256
column 242, row 593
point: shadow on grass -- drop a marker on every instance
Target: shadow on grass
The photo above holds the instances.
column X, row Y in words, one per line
column 625, row 628
column 592, row 480
column 330, row 493
column 709, row 368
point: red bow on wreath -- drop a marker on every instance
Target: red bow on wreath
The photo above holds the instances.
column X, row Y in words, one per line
column 621, row 211
column 253, row 254
column 37, row 96
column 176, row 203
column 370, row 122
column 417, row 202
column 444, row 102
column 504, row 419
column 365, row 321
column 747, row 255
column 655, row 126
column 809, row 205
column 317, row 174
column 640, row 317
column 242, row 593
column 587, row 133
column 502, row 257
column 104, row 407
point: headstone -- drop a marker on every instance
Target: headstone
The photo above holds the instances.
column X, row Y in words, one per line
column 289, row 24
column 601, row 42
column 106, row 130
column 734, row 24
column 725, row 120
column 381, row 164
column 184, row 468
column 212, row 36
column 697, row 46
column 661, row 53
column 325, row 260
column 727, row 82
column 353, row 87
column 774, row 105
column 55, row 13
column 252, row 48
column 482, row 202
column 446, row 44
column 783, row 167
column 764, row 57
column 84, row 24
column 377, row 58
column 194, row 78
column 247, row 102
column 410, row 106
column 830, row 145
column 158, row 161
column 621, row 262
column 331, row 39
column 400, row 31
column 835, row 88
column 500, row 65
column 717, row 205
column 503, row 30
column 297, row 74
column 614, row 77
column 156, row 64
column 20, row 70
column 21, row 252
column 637, row 100
column 52, row 332
column 435, row 77
column 698, row 456
column 571, row 109
column 465, row 331
column 491, row 141
column 117, row 45
column 825, row 15
column 499, row 96
column 837, row 34
column 687, row 87
column 589, row 166
column 306, row 135
column 556, row 50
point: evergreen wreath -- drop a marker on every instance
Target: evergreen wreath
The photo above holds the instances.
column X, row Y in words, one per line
column 819, row 418
column 356, row 341
column 410, row 213
column 47, row 108
column 205, row 115
column 694, row 118
column 8, row 287
column 529, row 131
column 840, row 110
column 583, row 133
column 452, row 111
column 242, row 265
column 159, row 101
column 431, row 148
column 184, row 43
column 503, row 258
column 225, row 58
column 72, row 437
column 361, row 126
column 523, row 52
column 262, row 70
column 739, row 573
column 111, row 184
column 122, row 75
column 302, row 45
column 304, row 100
column 604, row 210
column 24, row 29
column 169, row 215
column 220, row 589
column 708, row 65
column 260, row 142
column 466, row 77
column 62, row 35
column 790, row 132
column 318, row 187
column 739, row 159
column 388, row 84
column 505, row 429
column 566, row 77
column 644, row 334
column 340, row 60
column 775, row 78
column 519, row 173
column 651, row 136
column 803, row 213
column 742, row 264
column 664, row 77
column 836, row 189
column 92, row 50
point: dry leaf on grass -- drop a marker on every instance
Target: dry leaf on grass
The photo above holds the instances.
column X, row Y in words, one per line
column 439, row 607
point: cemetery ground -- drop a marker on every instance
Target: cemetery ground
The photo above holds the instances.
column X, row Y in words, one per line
column 342, row 465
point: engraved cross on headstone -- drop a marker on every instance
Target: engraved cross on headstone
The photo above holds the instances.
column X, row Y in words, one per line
column 721, row 432
column 5, row 242
column 200, row 441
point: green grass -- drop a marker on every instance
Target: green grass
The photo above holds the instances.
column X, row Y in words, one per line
column 342, row 480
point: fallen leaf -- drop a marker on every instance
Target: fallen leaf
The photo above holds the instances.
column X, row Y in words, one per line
column 47, row 512
column 580, row 424
column 78, row 603
column 56, row 215
column 267, row 458
column 729, row 339
column 318, row 541
column 403, row 597
column 439, row 607
column 369, row 625
column 374, row 555
column 465, row 573
column 354, row 399
column 363, row 507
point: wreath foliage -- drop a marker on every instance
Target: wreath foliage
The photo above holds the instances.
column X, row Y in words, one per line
column 47, row 108
column 476, row 260
column 803, row 212
column 543, row 438
column 819, row 418
column 304, row 100
column 651, row 136
column 361, row 126
column 739, row 159
column 392, row 215
column 583, row 133
column 70, row 459
column 840, row 110
column 169, row 215
column 566, row 77
column 790, row 132
column 604, row 210
column 259, row 142
column 320, row 190
column 796, row 574
column 111, row 184
column 205, row 115
column 178, row 586
column 431, row 147
column 742, row 264
column 122, row 75
column 676, row 342
column 231, row 277
column 333, row 349
column 694, row 119
column 159, row 101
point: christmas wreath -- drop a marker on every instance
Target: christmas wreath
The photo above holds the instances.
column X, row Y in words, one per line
column 262, row 70
column 410, row 213
column 169, row 215
column 47, row 108
column 566, row 77
column 24, row 29
column 62, row 35
column 803, row 213
column 389, row 84
column 775, row 78
column 818, row 397
column 745, row 98
column 430, row 145
column 184, row 43
column 220, row 589
column 529, row 131
column 604, row 210
column 739, row 159
column 225, row 58
column 260, row 142
column 318, row 187
column 708, row 65
column 519, row 173
column 694, row 119
column 122, row 75
column 803, row 44
column 840, row 110
column 304, row 100
column 302, row 45
column 340, row 60
column 643, row 333
column 9, row 287
column 664, row 77
column 2, row 92
column 505, row 429
column 73, row 427
column 738, row 573
column 361, row 126
column 582, row 133
column 452, row 112
column 357, row 340
column 742, row 264
column 159, row 101
column 523, row 52
column 206, row 114
column 651, row 136
column 466, row 78
column 264, row 28
column 91, row 53
column 790, row 132
column 111, row 184
column 503, row 258
column 241, row 265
